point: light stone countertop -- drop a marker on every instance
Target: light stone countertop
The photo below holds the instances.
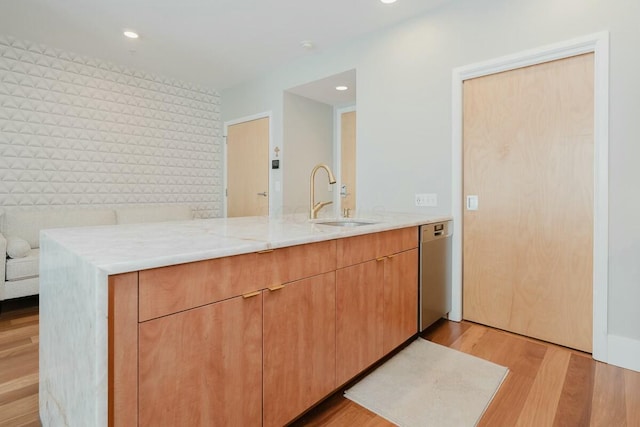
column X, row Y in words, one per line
column 123, row 248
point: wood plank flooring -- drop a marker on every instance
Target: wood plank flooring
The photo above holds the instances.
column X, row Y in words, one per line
column 547, row 385
column 19, row 363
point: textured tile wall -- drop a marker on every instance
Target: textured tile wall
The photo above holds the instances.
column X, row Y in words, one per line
column 76, row 131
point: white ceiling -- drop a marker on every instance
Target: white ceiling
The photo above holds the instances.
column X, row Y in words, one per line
column 215, row 43
column 324, row 90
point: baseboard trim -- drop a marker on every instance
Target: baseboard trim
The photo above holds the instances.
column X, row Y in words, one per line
column 624, row 352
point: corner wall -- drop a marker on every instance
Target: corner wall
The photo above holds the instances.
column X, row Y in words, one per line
column 76, row 131
column 308, row 135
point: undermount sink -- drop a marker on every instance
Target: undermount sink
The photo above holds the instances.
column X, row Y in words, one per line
column 346, row 223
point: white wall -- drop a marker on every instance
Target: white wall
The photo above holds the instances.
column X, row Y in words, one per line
column 404, row 108
column 76, row 131
column 308, row 136
column 266, row 95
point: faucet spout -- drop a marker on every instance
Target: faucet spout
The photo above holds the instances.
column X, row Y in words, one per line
column 315, row 207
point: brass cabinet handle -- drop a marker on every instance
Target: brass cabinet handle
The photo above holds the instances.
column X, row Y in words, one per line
column 251, row 294
column 275, row 287
column 380, row 259
column 266, row 251
column 391, row 256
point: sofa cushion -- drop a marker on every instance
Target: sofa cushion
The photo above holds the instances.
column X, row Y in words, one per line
column 27, row 224
column 158, row 213
column 17, row 247
column 23, row 268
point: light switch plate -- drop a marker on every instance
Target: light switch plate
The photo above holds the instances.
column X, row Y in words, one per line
column 427, row 199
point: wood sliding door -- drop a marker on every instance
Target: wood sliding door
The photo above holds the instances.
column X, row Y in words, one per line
column 528, row 157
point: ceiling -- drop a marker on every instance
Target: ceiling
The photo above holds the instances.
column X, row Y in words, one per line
column 215, row 43
column 324, row 90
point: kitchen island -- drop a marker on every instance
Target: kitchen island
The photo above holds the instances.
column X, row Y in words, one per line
column 240, row 321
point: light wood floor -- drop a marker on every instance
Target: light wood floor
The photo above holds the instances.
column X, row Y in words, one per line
column 19, row 363
column 547, row 385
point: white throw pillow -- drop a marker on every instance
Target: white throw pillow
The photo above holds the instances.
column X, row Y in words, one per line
column 17, row 247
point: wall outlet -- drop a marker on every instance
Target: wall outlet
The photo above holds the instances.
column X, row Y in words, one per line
column 426, row 199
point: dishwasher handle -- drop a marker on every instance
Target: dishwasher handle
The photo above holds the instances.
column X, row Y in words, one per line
column 435, row 231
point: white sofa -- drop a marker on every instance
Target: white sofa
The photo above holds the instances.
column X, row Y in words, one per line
column 20, row 237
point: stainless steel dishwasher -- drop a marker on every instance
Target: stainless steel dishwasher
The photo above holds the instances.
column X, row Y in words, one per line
column 435, row 272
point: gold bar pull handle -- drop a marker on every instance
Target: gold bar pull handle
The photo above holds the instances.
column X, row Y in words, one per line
column 266, row 251
column 380, row 259
column 391, row 256
column 275, row 287
column 251, row 294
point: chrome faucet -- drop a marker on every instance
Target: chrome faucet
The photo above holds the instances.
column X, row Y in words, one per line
column 315, row 207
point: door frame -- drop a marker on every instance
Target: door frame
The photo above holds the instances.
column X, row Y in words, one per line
column 598, row 44
column 225, row 132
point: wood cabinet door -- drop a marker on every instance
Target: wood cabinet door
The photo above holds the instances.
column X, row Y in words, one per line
column 400, row 298
column 203, row 367
column 359, row 316
column 299, row 347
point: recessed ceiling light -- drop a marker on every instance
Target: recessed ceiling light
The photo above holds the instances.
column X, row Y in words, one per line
column 307, row 44
column 388, row 1
column 131, row 34
column 341, row 88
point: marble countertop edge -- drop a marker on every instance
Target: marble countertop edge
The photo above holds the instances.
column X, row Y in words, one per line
column 125, row 248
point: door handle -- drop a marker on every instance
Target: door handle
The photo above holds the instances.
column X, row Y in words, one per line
column 251, row 294
column 264, row 193
column 472, row 203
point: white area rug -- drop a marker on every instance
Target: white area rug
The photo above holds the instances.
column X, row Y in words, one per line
column 427, row 384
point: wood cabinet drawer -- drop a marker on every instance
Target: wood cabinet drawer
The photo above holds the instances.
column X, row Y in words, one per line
column 297, row 262
column 394, row 241
column 168, row 290
column 354, row 250
column 175, row 288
